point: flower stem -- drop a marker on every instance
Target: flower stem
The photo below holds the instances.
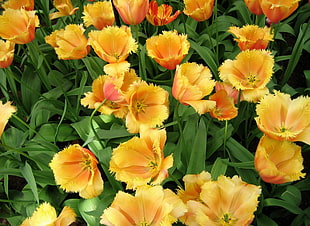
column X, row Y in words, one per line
column 225, row 137
column 92, row 125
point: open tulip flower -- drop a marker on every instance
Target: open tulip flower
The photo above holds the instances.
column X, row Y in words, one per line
column 148, row 106
column 249, row 72
column 6, row 111
column 160, row 15
column 278, row 162
column 132, row 12
column 227, row 201
column 168, row 49
column 45, row 214
column 113, row 44
column 6, row 53
column 151, row 205
column 18, row 25
column 231, row 91
column 254, row 6
column 18, row 4
column 64, row 7
column 69, row 43
column 109, row 91
column 98, row 14
column 192, row 82
column 251, row 36
column 75, row 170
column 140, row 161
column 276, row 10
column 281, row 118
column 199, row 10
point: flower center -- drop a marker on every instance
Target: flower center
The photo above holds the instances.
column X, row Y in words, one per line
column 140, row 107
column 251, row 80
column 227, row 220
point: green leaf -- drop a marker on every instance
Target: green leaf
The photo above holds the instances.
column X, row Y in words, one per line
column 207, row 55
column 197, row 161
column 281, row 203
column 238, row 151
column 292, row 195
column 27, row 173
column 263, row 220
column 89, row 210
column 219, row 168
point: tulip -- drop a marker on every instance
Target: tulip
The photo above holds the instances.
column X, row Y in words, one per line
column 45, row 214
column 276, row 10
column 254, row 6
column 249, row 72
column 69, row 43
column 225, row 108
column 64, row 7
column 132, row 12
column 140, row 161
column 199, row 10
column 168, row 49
column 278, row 162
column 99, row 14
column 18, row 25
column 18, row 4
column 113, row 44
column 192, row 82
column 160, row 15
column 110, row 90
column 252, row 36
column 6, row 111
column 281, row 118
column 151, row 205
column 6, row 53
column 75, row 170
column 148, row 106
column 227, row 201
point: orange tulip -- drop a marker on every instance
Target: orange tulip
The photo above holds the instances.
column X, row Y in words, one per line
column 111, row 89
column 6, row 53
column 199, row 10
column 254, row 6
column 75, row 170
column 231, row 91
column 6, row 111
column 225, row 108
column 227, row 201
column 99, row 14
column 18, row 26
column 168, row 49
column 18, row 4
column 132, row 12
column 193, row 184
column 113, row 44
column 151, row 205
column 69, row 43
column 278, row 162
column 147, row 106
column 140, row 161
column 45, row 214
column 64, row 7
column 252, row 36
column 192, row 82
column 249, row 72
column 160, row 15
column 276, row 10
column 281, row 118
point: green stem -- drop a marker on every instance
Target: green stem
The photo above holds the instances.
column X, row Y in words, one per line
column 92, row 125
column 177, row 117
column 225, row 137
column 217, row 32
column 210, row 39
